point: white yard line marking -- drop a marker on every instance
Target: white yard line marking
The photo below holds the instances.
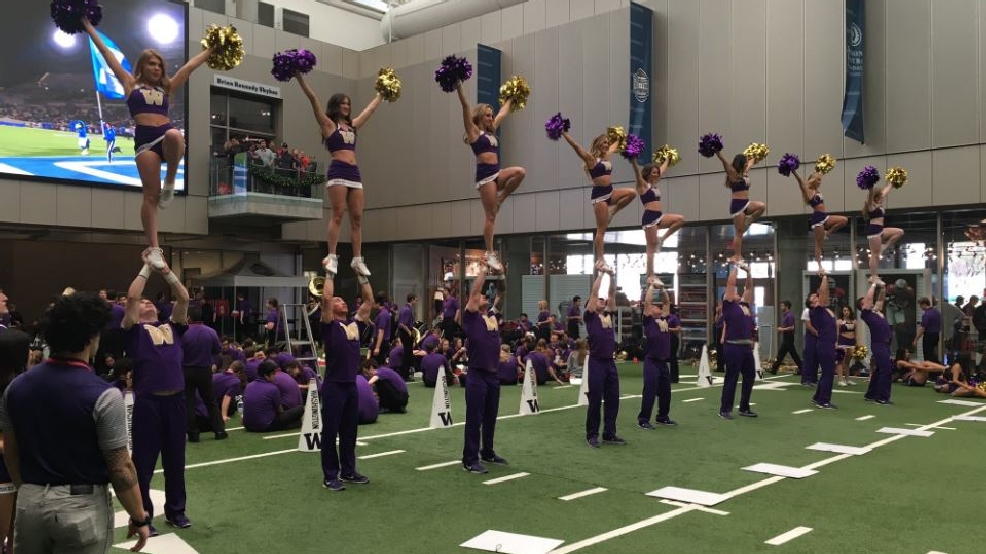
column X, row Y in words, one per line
column 838, row 449
column 909, row 432
column 790, row 535
column 968, row 418
column 865, row 417
column 436, row 466
column 796, row 412
column 691, row 496
column 559, row 387
column 693, row 399
column 653, row 520
column 783, row 471
column 575, row 495
column 239, row 459
column 381, row 454
column 938, row 427
column 697, row 507
column 959, row 402
column 506, row 478
column 233, row 428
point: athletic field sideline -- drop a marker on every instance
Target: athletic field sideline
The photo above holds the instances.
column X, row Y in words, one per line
column 908, row 494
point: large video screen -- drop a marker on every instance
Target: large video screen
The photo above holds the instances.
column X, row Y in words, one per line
column 57, row 100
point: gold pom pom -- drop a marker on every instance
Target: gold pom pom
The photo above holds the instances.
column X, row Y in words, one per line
column 388, row 85
column 758, row 152
column 226, row 45
column 617, row 135
column 516, row 90
column 824, row 164
column 860, row 352
column 897, row 177
column 668, row 153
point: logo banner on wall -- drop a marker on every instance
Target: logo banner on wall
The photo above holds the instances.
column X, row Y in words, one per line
column 488, row 76
column 641, row 54
column 852, row 106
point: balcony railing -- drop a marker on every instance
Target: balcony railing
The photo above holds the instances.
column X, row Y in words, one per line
column 247, row 188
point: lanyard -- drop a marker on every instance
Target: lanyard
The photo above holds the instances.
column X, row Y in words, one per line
column 69, row 362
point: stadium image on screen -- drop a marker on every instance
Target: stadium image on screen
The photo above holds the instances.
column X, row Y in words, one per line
column 63, row 116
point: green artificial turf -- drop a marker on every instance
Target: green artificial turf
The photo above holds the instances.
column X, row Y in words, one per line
column 35, row 143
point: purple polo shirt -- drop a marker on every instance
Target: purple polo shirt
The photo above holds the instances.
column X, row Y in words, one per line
column 282, row 359
column 244, row 307
column 225, row 384
column 396, row 356
column 522, row 353
column 117, row 312
column 482, row 340
column 288, row 387
column 658, row 340
column 199, row 344
column 602, row 335
column 735, row 316
column 391, row 376
column 305, row 376
column 540, row 365
column 431, row 364
column 157, row 356
column 260, row 401
column 235, row 354
column 507, row 369
column 430, row 340
column 250, row 369
column 824, row 322
column 787, row 320
column 543, row 318
column 382, row 322
column 367, row 404
column 405, row 316
column 272, row 318
column 880, row 332
column 574, row 311
column 931, row 321
column 341, row 340
column 450, row 307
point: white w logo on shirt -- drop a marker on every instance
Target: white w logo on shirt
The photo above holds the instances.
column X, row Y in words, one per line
column 162, row 335
column 152, row 97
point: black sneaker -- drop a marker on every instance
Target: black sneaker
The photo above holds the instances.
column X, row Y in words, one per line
column 193, row 437
column 868, row 399
column 667, row 421
column 222, row 435
column 152, row 531
column 645, row 425
column 334, row 485
column 355, row 479
column 726, row 415
column 180, row 521
column 748, row 413
column 884, row 402
column 615, row 440
column 826, row 406
column 592, row 442
column 474, row 467
column 494, row 459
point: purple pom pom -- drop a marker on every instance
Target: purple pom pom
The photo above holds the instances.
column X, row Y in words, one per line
column 290, row 62
column 452, row 72
column 556, row 126
column 635, row 145
column 867, row 177
column 710, row 144
column 67, row 14
column 788, row 163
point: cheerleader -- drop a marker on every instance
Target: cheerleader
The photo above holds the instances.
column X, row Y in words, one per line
column 871, row 312
column 605, row 200
column 494, row 184
column 879, row 237
column 821, row 224
column 743, row 211
column 845, row 343
column 657, row 376
column 344, row 183
column 654, row 219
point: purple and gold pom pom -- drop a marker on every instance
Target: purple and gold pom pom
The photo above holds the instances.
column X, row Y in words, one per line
column 824, row 164
column 453, row 71
column 668, row 153
column 67, row 14
column 757, row 152
column 557, row 125
column 388, row 85
column 709, row 144
column 867, row 177
column 291, row 62
column 617, row 135
column 226, row 46
column 788, row 163
column 897, row 177
column 516, row 90
column 634, row 147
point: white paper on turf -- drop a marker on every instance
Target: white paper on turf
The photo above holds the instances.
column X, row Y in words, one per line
column 704, row 371
column 441, row 403
column 511, row 543
column 783, row 471
column 122, row 518
column 529, row 394
column 839, row 449
column 310, row 439
column 690, row 496
column 584, row 385
column 911, row 432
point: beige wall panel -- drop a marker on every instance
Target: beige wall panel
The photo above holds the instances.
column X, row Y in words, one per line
column 908, row 75
column 955, row 85
column 955, row 175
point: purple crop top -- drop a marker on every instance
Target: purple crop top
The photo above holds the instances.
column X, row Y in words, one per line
column 816, row 201
column 876, row 213
column 601, row 169
column 739, row 186
column 486, row 143
column 652, row 195
column 341, row 139
column 144, row 99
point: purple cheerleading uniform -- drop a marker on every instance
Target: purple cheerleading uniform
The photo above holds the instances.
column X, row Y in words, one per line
column 824, row 322
column 288, row 387
column 340, row 401
column 738, row 205
column 880, row 336
column 650, row 218
column 738, row 352
column 604, row 382
column 431, row 364
column 573, row 324
column 657, row 375
column 486, row 143
column 842, row 343
column 159, row 416
column 482, row 384
column 874, row 230
column 342, row 173
column 153, row 100
column 818, row 216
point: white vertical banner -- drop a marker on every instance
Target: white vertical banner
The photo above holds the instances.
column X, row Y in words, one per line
column 441, row 404
column 310, row 439
column 529, row 394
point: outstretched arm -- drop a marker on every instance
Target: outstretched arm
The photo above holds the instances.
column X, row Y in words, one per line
column 867, row 302
column 823, row 291
column 326, row 125
column 134, row 294
column 748, row 288
column 364, row 116
column 125, row 78
column 178, row 290
column 802, row 185
column 579, row 151
column 731, row 294
column 472, row 131
column 879, row 297
column 593, row 303
column 641, row 183
column 504, row 111
column 728, row 167
column 328, row 293
column 611, row 298
column 363, row 313
column 476, row 291
column 181, row 76
column 665, row 303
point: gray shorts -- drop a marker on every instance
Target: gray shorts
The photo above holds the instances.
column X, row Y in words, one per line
column 52, row 518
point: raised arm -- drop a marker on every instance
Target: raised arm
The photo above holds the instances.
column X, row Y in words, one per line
column 802, row 185
column 823, row 291
column 504, row 111
column 364, row 115
column 878, row 299
column 125, row 78
column 611, row 298
column 728, row 167
column 363, row 313
column 326, row 125
column 731, row 295
column 476, row 291
column 181, row 76
column 472, row 131
column 178, row 290
column 867, row 302
column 641, row 183
column 665, row 303
column 328, row 294
column 134, row 294
column 748, row 288
column 593, row 303
column 579, row 151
